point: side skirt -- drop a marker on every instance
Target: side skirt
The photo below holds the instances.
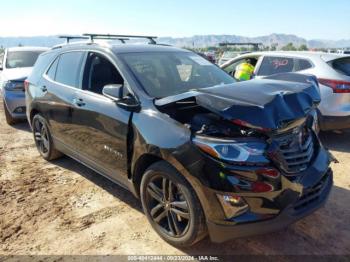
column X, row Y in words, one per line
column 126, row 183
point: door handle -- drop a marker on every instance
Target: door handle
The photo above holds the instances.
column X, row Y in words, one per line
column 79, row 101
column 44, row 88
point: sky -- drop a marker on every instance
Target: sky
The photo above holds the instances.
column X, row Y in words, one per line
column 313, row 19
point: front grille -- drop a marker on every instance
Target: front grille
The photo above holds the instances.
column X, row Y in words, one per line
column 295, row 150
column 310, row 195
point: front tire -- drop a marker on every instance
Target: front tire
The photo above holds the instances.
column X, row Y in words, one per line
column 171, row 205
column 43, row 139
column 9, row 119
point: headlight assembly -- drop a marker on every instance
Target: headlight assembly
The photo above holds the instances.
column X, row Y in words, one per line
column 239, row 151
column 14, row 85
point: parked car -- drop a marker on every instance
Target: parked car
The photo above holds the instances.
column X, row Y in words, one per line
column 229, row 55
column 343, row 51
column 209, row 57
column 203, row 152
column 332, row 71
column 15, row 65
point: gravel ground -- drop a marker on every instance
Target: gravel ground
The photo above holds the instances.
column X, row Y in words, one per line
column 62, row 207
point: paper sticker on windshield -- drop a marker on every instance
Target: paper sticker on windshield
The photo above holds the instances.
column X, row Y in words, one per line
column 200, row 60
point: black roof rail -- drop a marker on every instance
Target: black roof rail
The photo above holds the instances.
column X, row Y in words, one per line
column 70, row 37
column 109, row 36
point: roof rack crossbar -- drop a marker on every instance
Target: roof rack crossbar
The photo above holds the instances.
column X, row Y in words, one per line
column 121, row 39
column 109, row 36
column 70, row 37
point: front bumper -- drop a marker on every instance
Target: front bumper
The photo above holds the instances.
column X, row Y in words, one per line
column 305, row 205
column 15, row 103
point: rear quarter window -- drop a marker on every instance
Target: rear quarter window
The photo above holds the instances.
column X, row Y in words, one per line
column 1, row 59
column 40, row 66
column 341, row 65
column 51, row 73
column 275, row 65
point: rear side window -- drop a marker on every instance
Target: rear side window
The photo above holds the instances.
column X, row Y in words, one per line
column 275, row 65
column 341, row 65
column 51, row 73
column 68, row 68
column 302, row 64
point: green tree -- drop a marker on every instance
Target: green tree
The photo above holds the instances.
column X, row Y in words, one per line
column 303, row 48
column 273, row 47
column 289, row 47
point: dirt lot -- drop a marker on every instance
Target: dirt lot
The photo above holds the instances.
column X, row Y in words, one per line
column 63, row 207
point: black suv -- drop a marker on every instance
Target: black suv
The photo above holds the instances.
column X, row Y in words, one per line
column 203, row 153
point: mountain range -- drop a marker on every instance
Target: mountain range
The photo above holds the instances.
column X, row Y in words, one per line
column 196, row 41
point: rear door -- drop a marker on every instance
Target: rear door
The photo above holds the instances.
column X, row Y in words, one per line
column 60, row 83
column 102, row 126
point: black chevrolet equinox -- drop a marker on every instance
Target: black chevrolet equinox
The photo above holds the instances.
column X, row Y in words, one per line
column 205, row 154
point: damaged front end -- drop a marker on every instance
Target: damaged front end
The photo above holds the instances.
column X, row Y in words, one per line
column 256, row 144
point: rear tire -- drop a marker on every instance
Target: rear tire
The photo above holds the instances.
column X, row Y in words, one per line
column 172, row 206
column 43, row 139
column 9, row 119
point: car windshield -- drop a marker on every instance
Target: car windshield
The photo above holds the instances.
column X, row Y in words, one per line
column 170, row 73
column 16, row 59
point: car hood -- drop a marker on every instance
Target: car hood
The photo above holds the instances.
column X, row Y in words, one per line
column 269, row 103
column 16, row 73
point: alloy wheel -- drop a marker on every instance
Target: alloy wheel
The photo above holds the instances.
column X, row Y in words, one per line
column 41, row 136
column 167, row 206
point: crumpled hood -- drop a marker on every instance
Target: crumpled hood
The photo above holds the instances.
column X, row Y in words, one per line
column 16, row 73
column 263, row 103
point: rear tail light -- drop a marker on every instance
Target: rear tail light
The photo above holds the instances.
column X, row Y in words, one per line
column 337, row 85
column 26, row 85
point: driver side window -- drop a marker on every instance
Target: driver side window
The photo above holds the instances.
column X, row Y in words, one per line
column 99, row 72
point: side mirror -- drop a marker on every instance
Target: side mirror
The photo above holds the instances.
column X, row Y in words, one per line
column 114, row 91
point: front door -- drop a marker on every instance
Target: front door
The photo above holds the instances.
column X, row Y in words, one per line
column 103, row 126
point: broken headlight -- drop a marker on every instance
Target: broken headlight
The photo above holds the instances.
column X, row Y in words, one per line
column 238, row 151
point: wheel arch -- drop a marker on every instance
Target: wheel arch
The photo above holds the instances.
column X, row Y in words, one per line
column 33, row 112
column 141, row 165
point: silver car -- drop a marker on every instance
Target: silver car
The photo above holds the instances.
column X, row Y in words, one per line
column 332, row 71
column 15, row 66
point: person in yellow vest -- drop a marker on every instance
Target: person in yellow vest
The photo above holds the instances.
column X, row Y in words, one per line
column 244, row 71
